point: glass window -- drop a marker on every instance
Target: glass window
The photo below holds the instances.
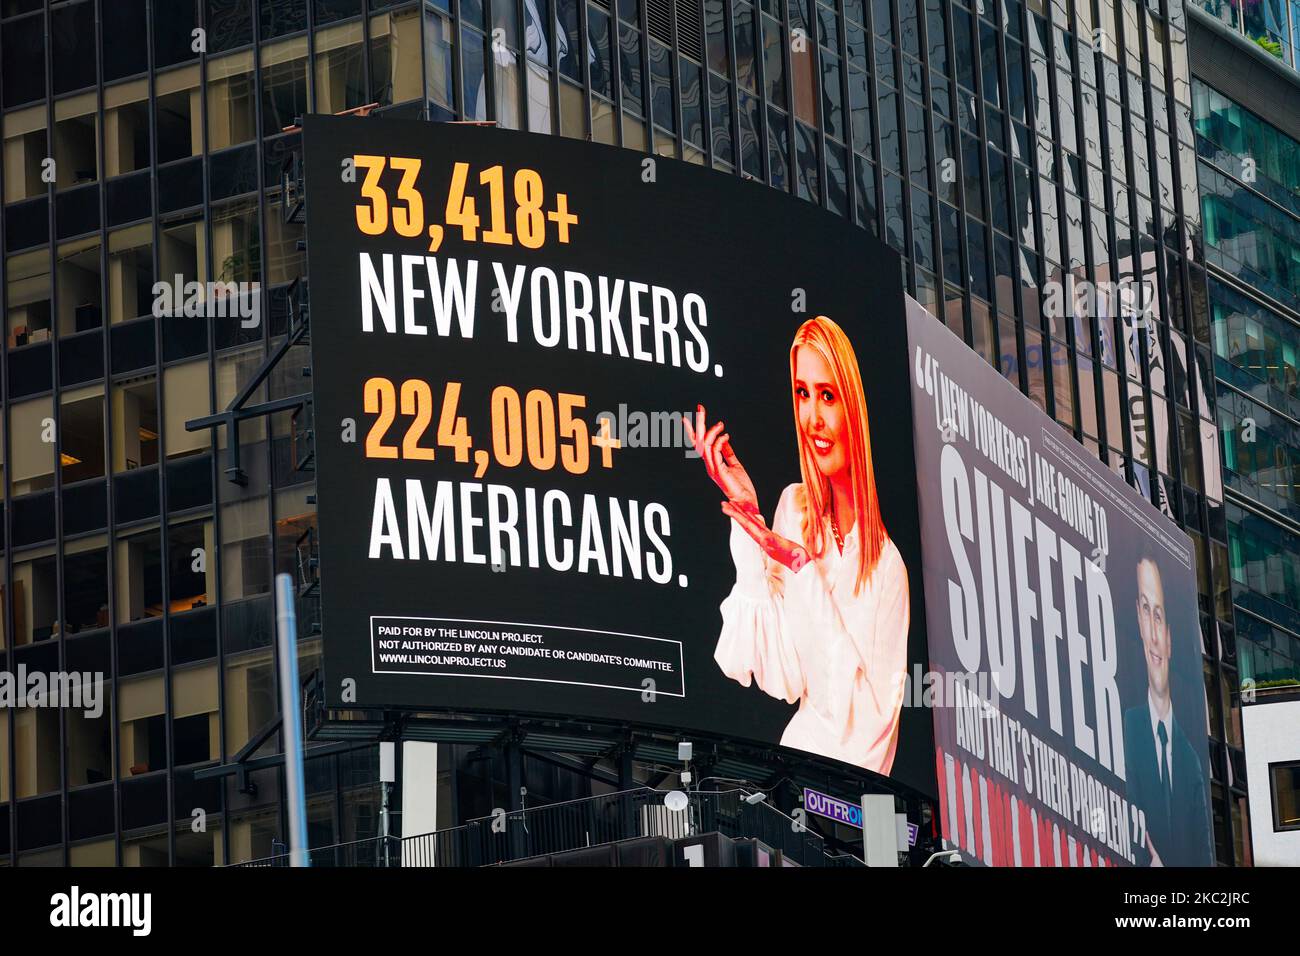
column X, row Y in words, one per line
column 37, row 750
column 230, row 100
column 284, row 85
column 439, row 60
column 135, row 424
column 79, row 278
column 629, row 39
column 81, row 421
column 28, row 318
column 185, row 397
column 179, row 114
column 72, row 46
column 474, row 84
column 1285, row 783
column 76, row 143
column 598, row 61
column 22, row 54
column 395, row 67
column 26, row 149
column 340, row 68
column 142, row 719
column 196, row 731
column 31, row 445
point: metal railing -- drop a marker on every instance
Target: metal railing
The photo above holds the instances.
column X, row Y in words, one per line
column 574, row 824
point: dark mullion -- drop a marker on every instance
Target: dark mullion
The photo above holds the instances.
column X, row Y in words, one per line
column 791, row 136
column 457, row 60
column 616, row 71
column 846, row 113
column 1082, row 47
column 1112, row 241
column 819, row 104
column 873, row 97
column 932, row 170
column 105, row 324
column 6, row 620
column 706, row 84
column 266, row 348
column 1009, row 167
column 1135, row 244
column 56, row 413
column 733, row 91
column 1031, row 163
column 900, row 119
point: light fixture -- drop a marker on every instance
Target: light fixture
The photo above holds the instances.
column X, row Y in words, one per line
column 755, row 798
column 147, row 435
column 65, row 459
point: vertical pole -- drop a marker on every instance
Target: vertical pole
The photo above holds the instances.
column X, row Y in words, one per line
column 291, row 714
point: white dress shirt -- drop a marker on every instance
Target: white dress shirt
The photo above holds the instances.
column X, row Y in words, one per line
column 807, row 637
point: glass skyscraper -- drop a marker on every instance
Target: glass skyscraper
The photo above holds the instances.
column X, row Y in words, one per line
column 999, row 145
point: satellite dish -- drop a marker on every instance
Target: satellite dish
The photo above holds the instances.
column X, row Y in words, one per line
column 675, row 801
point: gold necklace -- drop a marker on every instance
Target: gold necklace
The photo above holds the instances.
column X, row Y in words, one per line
column 835, row 530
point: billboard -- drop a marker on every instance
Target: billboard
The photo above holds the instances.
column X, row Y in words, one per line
column 607, row 436
column 1064, row 641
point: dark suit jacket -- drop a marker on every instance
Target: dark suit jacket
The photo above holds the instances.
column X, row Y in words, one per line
column 1181, row 834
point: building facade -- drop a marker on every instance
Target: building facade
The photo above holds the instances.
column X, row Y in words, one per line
column 1247, row 115
column 1001, row 146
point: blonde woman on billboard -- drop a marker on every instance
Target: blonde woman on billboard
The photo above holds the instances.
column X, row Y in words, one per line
column 819, row 612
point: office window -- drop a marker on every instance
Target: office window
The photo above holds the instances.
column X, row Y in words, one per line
column 185, row 397
column 439, row 60
column 192, row 572
column 285, row 94
column 81, row 422
column 130, row 273
column 79, row 276
column 76, row 142
column 28, row 319
column 90, row 745
column 142, row 718
column 31, row 445
column 540, row 109
column 250, row 696
column 26, row 149
column 126, row 127
column 395, row 66
column 23, row 59
column 179, row 114
column 72, row 46
column 196, row 715
column 35, row 597
column 125, row 40
column 135, row 423
column 36, row 750
column 340, row 68
column 138, row 573
column 230, row 100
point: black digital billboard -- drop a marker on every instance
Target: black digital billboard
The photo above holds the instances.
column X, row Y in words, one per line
column 608, row 436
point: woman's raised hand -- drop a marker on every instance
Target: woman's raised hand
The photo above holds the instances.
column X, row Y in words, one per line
column 793, row 556
column 720, row 461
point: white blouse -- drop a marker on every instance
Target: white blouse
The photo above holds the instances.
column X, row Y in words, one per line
column 807, row 637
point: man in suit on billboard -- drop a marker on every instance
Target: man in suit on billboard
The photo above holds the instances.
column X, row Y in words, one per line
column 1165, row 777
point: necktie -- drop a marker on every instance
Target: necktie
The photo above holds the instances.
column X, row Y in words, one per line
column 1164, row 765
